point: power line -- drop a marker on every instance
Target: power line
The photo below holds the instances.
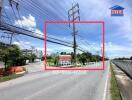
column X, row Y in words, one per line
column 11, row 5
column 19, row 15
column 50, row 39
column 7, row 27
column 7, row 16
column 39, row 10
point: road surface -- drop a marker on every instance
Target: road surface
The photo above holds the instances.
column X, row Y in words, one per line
column 57, row 85
column 34, row 67
column 1, row 64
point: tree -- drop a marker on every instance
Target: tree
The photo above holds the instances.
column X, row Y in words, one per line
column 4, row 56
column 83, row 58
column 14, row 54
column 63, row 53
column 56, row 60
column 33, row 57
column 93, row 59
column 131, row 58
column 22, row 60
column 88, row 57
column 9, row 55
column 42, row 58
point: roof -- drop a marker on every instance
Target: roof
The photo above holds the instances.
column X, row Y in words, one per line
column 116, row 7
column 65, row 57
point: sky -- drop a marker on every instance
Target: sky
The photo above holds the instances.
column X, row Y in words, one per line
column 118, row 30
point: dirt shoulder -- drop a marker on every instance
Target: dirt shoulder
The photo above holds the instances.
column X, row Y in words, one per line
column 124, row 83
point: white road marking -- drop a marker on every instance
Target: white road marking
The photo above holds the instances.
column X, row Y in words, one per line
column 106, row 85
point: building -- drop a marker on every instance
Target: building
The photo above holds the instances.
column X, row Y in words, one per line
column 65, row 59
column 117, row 11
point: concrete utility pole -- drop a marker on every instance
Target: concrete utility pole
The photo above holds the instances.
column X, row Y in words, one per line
column 4, row 34
column 15, row 3
column 73, row 15
column 1, row 6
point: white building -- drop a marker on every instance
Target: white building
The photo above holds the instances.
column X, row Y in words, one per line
column 65, row 59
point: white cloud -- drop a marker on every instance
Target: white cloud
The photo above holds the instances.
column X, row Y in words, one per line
column 29, row 23
column 66, row 49
column 42, row 49
column 17, row 43
column 39, row 33
column 23, row 44
column 6, row 7
column 114, row 47
column 114, row 50
column 96, row 10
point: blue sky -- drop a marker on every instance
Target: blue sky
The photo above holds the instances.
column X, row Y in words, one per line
column 118, row 30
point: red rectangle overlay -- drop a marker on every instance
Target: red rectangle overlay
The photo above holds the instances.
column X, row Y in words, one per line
column 70, row 22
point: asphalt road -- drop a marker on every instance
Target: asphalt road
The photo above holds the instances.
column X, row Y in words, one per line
column 34, row 67
column 57, row 85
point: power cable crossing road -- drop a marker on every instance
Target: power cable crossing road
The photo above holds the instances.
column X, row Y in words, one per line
column 7, row 27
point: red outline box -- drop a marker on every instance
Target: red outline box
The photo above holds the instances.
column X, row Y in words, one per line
column 80, row 22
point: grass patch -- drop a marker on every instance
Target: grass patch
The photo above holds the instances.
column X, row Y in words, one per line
column 9, row 77
column 114, row 87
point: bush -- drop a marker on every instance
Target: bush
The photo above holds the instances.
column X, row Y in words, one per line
column 12, row 56
column 11, row 70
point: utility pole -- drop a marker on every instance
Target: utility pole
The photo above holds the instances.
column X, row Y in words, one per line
column 16, row 4
column 73, row 15
column 11, row 38
column 1, row 6
column 4, row 34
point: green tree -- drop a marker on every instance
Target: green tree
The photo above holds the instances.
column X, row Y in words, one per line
column 131, row 58
column 33, row 57
column 63, row 53
column 9, row 55
column 83, row 58
column 14, row 54
column 93, row 58
column 56, row 60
